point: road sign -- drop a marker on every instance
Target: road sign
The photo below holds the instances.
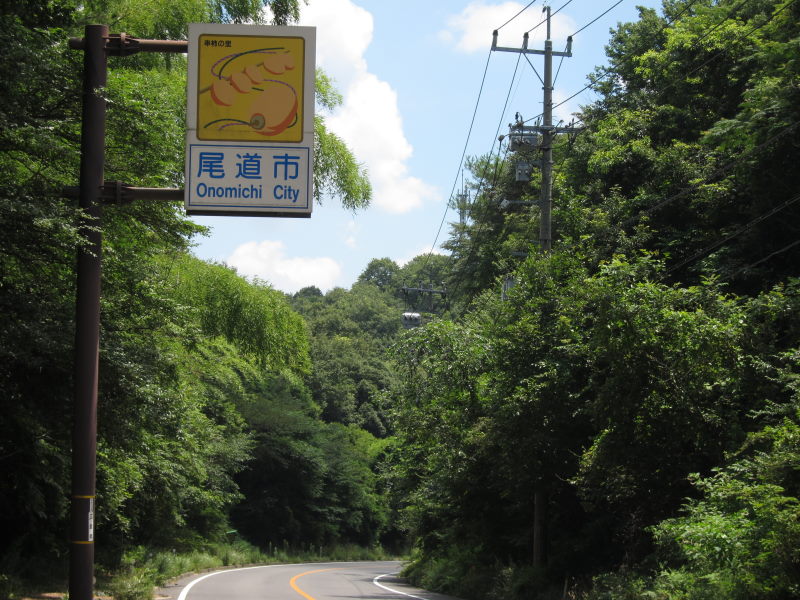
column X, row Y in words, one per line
column 250, row 120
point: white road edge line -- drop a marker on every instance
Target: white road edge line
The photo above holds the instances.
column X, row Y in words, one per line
column 388, row 589
column 185, row 591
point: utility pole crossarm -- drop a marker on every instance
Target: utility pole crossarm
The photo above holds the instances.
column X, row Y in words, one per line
column 547, row 130
column 526, row 50
column 524, row 128
column 425, row 290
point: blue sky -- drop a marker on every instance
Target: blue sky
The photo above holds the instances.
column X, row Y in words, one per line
column 410, row 74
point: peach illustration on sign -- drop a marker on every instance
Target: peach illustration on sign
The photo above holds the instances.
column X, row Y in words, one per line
column 274, row 105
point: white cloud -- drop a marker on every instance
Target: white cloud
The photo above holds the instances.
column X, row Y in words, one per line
column 369, row 119
column 344, row 31
column 471, row 29
column 267, row 260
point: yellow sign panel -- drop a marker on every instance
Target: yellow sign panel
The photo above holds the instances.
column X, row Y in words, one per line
column 250, row 88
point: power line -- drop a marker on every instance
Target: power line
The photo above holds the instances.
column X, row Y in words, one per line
column 473, row 247
column 700, row 66
column 548, row 131
column 594, row 82
column 463, row 153
column 497, row 132
column 516, row 15
column 720, row 171
column 687, row 190
column 709, row 249
column 718, row 25
column 503, row 113
column 721, row 52
column 593, row 21
column 693, row 47
column 695, row 43
column 495, row 175
column 729, row 165
column 554, row 13
column 766, row 258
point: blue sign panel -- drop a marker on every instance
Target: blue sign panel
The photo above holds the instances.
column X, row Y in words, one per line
column 249, row 178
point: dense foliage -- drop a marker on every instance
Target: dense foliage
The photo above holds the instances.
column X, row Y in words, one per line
column 203, row 398
column 621, row 423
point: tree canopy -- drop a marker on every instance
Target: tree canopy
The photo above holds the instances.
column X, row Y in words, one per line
column 595, row 422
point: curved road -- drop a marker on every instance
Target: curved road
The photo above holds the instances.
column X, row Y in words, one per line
column 312, row 581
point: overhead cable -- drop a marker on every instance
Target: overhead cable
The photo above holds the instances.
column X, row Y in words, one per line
column 499, row 162
column 690, row 188
column 593, row 21
column 721, row 52
column 552, row 14
column 709, row 249
column 597, row 80
column 720, row 171
column 766, row 258
column 516, row 15
column 463, row 153
column 500, row 124
column 718, row 25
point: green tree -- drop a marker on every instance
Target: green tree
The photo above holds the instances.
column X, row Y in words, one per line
column 381, row 272
column 308, row 482
column 599, row 392
column 170, row 438
column 350, row 332
column 675, row 152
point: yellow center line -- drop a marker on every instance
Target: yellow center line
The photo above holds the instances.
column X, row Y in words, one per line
column 296, row 588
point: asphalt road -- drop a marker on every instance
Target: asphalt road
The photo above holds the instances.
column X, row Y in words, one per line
column 312, row 581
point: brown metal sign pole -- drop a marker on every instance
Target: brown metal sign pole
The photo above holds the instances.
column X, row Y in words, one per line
column 87, row 317
column 97, row 45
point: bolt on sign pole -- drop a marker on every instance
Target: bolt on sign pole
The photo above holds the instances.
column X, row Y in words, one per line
column 87, row 316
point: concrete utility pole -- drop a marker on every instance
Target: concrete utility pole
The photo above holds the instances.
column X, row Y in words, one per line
column 545, row 219
column 548, row 133
column 546, row 128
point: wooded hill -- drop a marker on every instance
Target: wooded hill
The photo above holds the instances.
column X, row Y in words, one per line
column 624, row 424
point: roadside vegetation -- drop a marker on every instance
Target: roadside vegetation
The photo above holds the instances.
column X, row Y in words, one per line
column 622, row 422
